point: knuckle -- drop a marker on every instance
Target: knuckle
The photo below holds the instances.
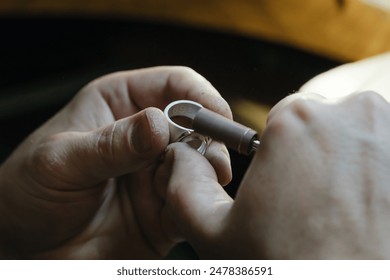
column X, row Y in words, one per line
column 303, row 110
column 373, row 109
column 185, row 73
column 297, row 104
column 367, row 101
column 184, row 70
column 105, row 143
column 293, row 117
column 369, row 98
column 177, row 74
column 102, row 84
column 281, row 124
column 45, row 159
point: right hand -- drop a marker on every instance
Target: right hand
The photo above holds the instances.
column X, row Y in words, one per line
column 318, row 186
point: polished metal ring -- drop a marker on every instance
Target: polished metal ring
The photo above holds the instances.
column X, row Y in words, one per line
column 180, row 115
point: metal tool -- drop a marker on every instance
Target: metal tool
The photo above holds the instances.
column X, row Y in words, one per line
column 188, row 117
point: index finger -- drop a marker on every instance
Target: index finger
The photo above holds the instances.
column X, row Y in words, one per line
column 158, row 86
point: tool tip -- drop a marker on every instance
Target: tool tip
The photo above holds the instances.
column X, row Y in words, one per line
column 255, row 143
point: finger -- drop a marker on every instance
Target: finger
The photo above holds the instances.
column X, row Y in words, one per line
column 148, row 207
column 188, row 183
column 125, row 92
column 127, row 145
column 218, row 156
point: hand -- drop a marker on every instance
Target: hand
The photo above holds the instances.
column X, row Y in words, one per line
column 317, row 188
column 81, row 185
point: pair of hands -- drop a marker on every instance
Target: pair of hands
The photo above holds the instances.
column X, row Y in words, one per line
column 91, row 182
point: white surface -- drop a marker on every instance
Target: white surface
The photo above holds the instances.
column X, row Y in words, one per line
column 368, row 74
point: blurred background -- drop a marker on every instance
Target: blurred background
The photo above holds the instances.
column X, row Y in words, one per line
column 255, row 52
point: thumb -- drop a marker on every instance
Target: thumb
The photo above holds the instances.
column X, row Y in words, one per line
column 87, row 158
column 196, row 201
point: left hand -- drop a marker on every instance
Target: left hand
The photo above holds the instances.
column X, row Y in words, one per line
column 80, row 186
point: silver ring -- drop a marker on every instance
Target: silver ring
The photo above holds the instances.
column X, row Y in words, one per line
column 180, row 115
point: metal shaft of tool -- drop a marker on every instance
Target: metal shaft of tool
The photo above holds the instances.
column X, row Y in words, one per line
column 235, row 135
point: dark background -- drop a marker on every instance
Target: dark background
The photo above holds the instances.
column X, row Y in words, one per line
column 45, row 61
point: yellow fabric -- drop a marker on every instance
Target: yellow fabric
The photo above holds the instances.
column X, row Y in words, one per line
column 342, row 29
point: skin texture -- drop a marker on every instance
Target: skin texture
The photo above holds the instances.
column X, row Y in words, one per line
column 317, row 188
column 81, row 185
